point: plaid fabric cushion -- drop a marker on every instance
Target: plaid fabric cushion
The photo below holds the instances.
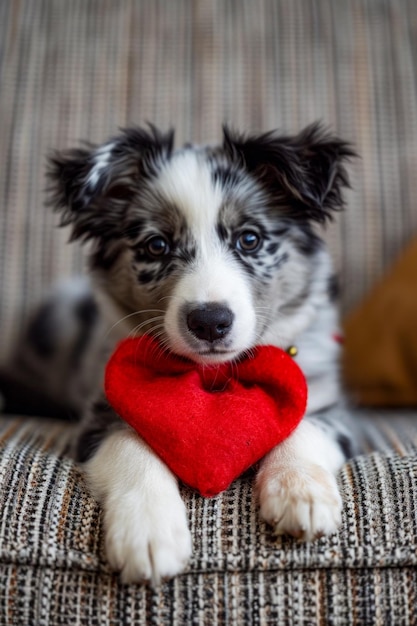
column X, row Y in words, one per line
column 53, row 571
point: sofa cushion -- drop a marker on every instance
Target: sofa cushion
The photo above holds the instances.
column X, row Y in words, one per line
column 53, row 570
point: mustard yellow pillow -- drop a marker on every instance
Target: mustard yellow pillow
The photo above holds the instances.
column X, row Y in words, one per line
column 380, row 357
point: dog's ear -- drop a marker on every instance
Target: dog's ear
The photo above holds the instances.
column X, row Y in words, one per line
column 305, row 171
column 91, row 186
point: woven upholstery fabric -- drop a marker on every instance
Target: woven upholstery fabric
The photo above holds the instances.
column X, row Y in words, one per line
column 79, row 70
column 52, row 568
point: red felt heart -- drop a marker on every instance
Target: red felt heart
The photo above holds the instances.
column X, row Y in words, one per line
column 207, row 423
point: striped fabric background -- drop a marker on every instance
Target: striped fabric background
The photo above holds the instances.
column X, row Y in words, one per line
column 80, row 69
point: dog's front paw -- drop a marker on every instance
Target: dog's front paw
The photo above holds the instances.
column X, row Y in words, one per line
column 147, row 536
column 303, row 502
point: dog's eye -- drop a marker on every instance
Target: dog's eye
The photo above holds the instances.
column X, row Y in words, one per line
column 157, row 246
column 249, row 241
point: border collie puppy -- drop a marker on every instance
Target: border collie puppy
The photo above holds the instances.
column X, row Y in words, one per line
column 213, row 250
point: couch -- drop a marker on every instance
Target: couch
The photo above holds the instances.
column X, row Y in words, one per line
column 79, row 70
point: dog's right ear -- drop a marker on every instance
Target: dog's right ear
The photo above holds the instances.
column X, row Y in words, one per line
column 93, row 185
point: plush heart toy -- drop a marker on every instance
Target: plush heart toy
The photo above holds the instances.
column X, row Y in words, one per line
column 207, row 423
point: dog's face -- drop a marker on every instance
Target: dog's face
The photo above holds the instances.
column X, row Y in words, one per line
column 210, row 245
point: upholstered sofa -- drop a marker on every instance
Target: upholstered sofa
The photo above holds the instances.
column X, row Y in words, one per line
column 73, row 70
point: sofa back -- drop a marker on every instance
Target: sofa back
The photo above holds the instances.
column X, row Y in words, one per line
column 72, row 71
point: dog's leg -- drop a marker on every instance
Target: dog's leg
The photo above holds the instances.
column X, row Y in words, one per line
column 296, row 484
column 145, row 520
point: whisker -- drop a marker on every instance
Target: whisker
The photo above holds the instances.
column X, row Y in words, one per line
column 141, row 312
column 173, row 297
column 135, row 331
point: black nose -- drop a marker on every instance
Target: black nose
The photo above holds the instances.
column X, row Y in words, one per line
column 210, row 322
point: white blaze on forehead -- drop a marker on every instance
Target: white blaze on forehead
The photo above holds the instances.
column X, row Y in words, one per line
column 101, row 161
column 186, row 181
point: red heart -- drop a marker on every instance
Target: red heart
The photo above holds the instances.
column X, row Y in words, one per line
column 207, row 423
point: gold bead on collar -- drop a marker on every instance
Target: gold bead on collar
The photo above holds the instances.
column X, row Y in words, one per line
column 292, row 351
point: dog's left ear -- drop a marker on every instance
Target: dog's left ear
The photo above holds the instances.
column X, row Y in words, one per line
column 305, row 171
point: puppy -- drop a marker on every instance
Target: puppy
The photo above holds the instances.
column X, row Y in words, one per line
column 213, row 250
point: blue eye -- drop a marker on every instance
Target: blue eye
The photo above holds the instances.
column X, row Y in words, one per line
column 248, row 241
column 157, row 246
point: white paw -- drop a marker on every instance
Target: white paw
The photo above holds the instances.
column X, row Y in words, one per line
column 147, row 536
column 303, row 502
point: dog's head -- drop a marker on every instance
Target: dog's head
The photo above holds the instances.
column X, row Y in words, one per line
column 212, row 245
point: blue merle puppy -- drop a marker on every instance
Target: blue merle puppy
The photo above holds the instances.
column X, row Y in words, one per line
column 213, row 250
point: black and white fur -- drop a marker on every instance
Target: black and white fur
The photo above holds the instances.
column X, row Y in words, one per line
column 213, row 250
